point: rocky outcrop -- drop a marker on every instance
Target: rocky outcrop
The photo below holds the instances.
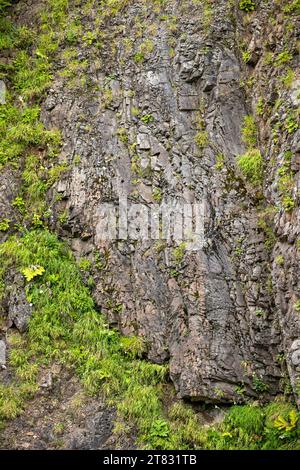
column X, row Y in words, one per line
column 152, row 116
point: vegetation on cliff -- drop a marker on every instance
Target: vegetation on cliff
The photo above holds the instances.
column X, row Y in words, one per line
column 65, row 326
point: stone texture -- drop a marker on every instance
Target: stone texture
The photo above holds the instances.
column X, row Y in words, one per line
column 2, row 353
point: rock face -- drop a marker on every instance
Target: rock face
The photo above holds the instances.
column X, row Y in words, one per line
column 159, row 122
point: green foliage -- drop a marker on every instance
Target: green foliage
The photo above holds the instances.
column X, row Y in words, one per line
column 247, row 5
column 32, row 271
column 292, row 7
column 66, row 327
column 291, row 124
column 288, row 425
column 133, row 346
column 249, row 132
column 251, row 165
column 179, row 252
column 297, row 306
column 258, row 385
column 260, row 106
column 4, row 225
column 202, row 139
column 220, row 162
column 147, row 118
column 283, row 58
column 254, row 427
column 3, row 5
column 279, row 260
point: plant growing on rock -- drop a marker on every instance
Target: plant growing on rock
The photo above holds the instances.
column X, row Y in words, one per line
column 201, row 139
column 251, row 166
column 247, row 5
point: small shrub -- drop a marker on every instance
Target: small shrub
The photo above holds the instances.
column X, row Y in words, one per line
column 297, row 306
column 4, row 225
column 251, row 166
column 249, row 132
column 279, row 260
column 32, row 271
column 247, row 5
column 258, row 385
column 147, row 118
column 201, row 139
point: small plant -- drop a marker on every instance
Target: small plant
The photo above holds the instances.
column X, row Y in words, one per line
column 84, row 264
column 147, row 118
column 288, row 203
column 240, row 389
column 157, row 195
column 251, row 166
column 260, row 106
column 133, row 346
column 220, row 162
column 58, row 428
column 76, row 160
column 288, row 425
column 179, row 252
column 297, row 306
column 246, row 55
column 283, row 58
column 258, row 385
column 19, row 203
column 279, row 260
column 259, row 312
column 4, row 225
column 159, row 432
column 32, row 271
column 202, row 139
column 247, row 5
column 290, row 124
column 123, row 135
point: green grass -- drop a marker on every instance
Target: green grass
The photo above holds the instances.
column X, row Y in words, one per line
column 251, row 166
column 249, row 131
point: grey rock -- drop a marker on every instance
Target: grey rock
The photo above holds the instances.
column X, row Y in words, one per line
column 2, row 353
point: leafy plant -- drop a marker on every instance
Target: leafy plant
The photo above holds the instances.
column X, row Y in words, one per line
column 288, row 424
column 247, row 5
column 251, row 166
column 258, row 385
column 297, row 306
column 4, row 225
column 202, row 139
column 32, row 271
column 249, row 131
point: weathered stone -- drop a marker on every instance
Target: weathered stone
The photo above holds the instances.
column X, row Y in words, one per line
column 2, row 353
column 188, row 103
column 19, row 309
column 2, row 92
